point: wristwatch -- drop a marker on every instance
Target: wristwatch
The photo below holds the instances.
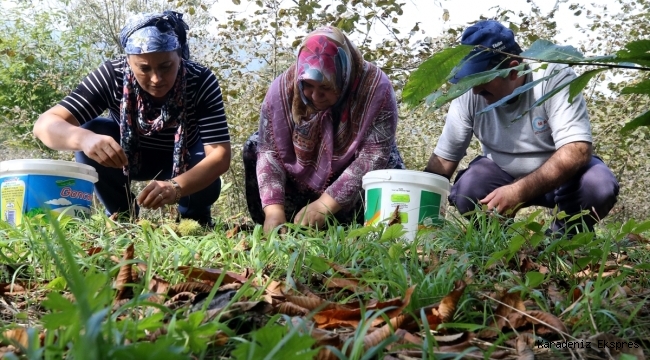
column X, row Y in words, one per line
column 177, row 188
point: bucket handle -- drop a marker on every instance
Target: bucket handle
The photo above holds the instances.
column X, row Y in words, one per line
column 381, row 176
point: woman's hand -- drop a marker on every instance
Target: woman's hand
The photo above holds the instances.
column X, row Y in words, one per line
column 315, row 214
column 157, row 194
column 273, row 217
column 105, row 150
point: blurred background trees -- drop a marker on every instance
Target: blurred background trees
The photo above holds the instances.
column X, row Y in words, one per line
column 47, row 48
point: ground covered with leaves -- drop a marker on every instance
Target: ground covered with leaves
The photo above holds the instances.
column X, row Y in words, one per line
column 96, row 289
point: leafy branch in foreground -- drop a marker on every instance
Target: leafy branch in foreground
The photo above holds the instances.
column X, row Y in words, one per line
column 425, row 83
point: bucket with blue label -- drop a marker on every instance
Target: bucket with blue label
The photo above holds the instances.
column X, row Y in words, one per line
column 30, row 187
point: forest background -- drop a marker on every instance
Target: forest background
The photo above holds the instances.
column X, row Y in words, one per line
column 46, row 48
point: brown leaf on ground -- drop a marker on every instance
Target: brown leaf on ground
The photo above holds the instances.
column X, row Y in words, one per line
column 448, row 304
column 292, row 309
column 94, row 250
column 394, row 217
column 554, row 294
column 125, row 276
column 180, row 297
column 12, row 289
column 617, row 346
column 543, row 322
column 463, row 343
column 508, row 302
column 310, row 303
column 221, row 338
column 190, row 286
column 17, row 337
column 237, row 309
column 232, row 232
column 382, row 333
column 339, row 316
column 306, row 291
column 524, row 351
column 212, row 275
column 322, row 337
column 346, row 284
column 341, row 270
column 408, row 338
column 326, row 354
column 159, row 286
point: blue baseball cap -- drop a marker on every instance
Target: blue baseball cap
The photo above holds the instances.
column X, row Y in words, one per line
column 492, row 35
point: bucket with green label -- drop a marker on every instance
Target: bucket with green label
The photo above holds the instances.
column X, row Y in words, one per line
column 35, row 186
column 418, row 198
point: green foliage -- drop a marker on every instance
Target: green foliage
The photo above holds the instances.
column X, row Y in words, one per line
column 274, row 341
column 441, row 65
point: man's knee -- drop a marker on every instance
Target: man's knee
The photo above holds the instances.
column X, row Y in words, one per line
column 599, row 186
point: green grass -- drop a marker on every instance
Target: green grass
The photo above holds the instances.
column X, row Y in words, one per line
column 51, row 260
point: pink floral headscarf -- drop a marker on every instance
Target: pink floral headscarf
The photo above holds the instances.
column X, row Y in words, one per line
column 313, row 145
column 324, row 58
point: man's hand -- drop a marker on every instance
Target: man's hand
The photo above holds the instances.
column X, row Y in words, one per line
column 503, row 199
column 105, row 150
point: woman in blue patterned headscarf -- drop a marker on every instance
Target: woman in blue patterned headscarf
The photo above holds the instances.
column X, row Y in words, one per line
column 167, row 122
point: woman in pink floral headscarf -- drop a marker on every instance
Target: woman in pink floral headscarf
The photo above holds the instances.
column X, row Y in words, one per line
column 325, row 122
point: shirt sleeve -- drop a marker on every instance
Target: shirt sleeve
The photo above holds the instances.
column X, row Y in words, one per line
column 271, row 175
column 371, row 155
column 213, row 127
column 457, row 131
column 569, row 121
column 92, row 96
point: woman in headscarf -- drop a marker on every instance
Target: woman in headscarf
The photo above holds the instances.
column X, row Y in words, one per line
column 325, row 122
column 166, row 123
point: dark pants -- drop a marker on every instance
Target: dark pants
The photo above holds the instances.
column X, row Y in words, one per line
column 594, row 188
column 113, row 188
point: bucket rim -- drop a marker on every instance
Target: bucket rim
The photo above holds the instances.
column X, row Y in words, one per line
column 46, row 165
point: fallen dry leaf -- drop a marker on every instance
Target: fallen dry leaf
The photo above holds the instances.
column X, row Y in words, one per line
column 232, row 232
column 125, row 276
column 346, row 284
column 292, row 309
column 524, row 351
column 158, row 286
column 311, row 303
column 341, row 270
column 212, row 275
column 17, row 337
column 190, row 286
column 339, row 316
column 180, row 297
column 507, row 303
column 448, row 304
column 238, row 308
column 11, row 289
column 543, row 322
column 554, row 294
column 94, row 250
column 409, row 338
column 394, row 217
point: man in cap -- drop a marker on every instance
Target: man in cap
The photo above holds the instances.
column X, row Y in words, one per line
column 543, row 158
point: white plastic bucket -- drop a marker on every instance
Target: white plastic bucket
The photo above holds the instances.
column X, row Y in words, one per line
column 35, row 186
column 420, row 196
